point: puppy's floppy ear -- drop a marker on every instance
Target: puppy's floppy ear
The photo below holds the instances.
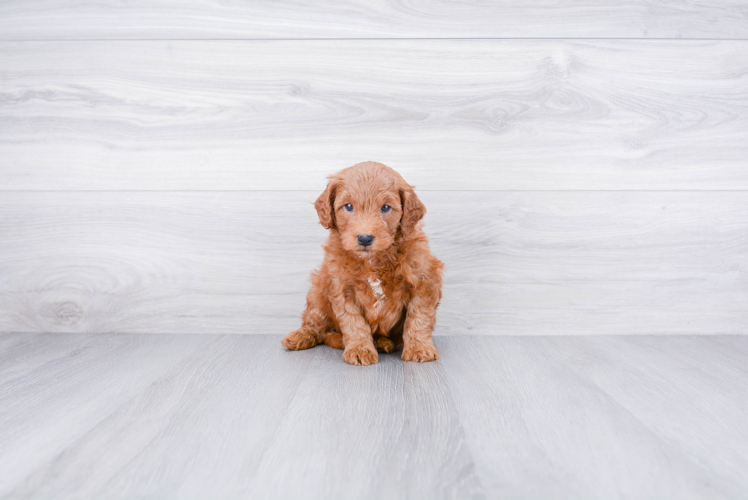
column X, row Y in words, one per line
column 325, row 205
column 413, row 210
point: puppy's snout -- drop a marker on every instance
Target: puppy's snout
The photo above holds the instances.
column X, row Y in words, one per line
column 365, row 239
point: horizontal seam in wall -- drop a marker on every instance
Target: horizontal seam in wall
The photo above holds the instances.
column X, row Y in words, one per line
column 9, row 40
column 456, row 336
column 417, row 189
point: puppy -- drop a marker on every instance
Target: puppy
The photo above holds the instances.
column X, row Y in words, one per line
column 379, row 286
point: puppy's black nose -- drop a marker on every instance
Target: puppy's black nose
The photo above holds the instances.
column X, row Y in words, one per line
column 365, row 239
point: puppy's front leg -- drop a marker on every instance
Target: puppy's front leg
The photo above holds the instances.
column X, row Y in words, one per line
column 357, row 338
column 419, row 324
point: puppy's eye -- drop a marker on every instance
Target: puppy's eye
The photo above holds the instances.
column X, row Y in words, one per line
column 386, row 209
column 348, row 207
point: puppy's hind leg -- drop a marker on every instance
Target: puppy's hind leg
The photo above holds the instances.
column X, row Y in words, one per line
column 334, row 340
column 312, row 332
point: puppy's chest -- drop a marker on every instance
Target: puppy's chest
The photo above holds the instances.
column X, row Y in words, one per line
column 380, row 298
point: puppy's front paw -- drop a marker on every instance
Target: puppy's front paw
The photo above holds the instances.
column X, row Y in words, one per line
column 299, row 340
column 360, row 354
column 420, row 351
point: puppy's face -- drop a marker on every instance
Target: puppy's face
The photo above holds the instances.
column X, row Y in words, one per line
column 367, row 219
column 368, row 204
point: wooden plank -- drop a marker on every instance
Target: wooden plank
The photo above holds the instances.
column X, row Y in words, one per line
column 141, row 19
column 592, row 417
column 459, row 114
column 47, row 408
column 390, row 431
column 705, row 392
column 23, row 353
column 237, row 416
column 526, row 263
column 205, row 408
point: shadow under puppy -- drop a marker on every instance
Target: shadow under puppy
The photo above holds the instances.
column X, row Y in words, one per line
column 379, row 286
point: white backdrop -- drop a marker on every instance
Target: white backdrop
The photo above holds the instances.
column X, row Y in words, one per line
column 585, row 167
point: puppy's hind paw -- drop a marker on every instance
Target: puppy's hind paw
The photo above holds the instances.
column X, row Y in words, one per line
column 384, row 344
column 420, row 352
column 298, row 340
column 361, row 355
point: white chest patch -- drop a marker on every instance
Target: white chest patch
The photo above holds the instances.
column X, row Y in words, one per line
column 379, row 296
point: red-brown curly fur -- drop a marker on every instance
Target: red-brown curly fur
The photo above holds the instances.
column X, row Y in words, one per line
column 375, row 297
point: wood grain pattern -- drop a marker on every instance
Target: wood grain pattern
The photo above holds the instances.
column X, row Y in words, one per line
column 142, row 19
column 459, row 114
column 574, row 409
column 369, row 434
column 236, row 416
column 239, row 262
column 134, row 390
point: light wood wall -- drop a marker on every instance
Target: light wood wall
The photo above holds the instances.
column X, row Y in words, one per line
column 585, row 164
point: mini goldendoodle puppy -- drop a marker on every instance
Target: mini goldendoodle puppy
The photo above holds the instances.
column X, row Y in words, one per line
column 379, row 286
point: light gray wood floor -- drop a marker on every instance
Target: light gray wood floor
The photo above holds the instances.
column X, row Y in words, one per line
column 232, row 416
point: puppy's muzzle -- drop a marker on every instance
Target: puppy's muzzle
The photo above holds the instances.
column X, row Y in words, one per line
column 365, row 239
